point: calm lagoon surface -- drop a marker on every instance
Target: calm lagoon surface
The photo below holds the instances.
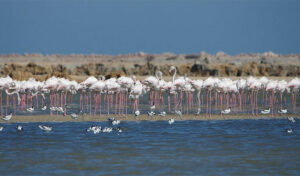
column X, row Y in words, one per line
column 221, row 147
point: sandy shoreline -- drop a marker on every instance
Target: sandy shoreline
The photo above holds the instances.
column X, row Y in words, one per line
column 97, row 118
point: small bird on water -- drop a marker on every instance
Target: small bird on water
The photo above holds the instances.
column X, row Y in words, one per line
column 45, row 128
column 289, row 131
column 44, row 108
column 291, row 119
column 19, row 128
column 171, row 121
column 1, row 128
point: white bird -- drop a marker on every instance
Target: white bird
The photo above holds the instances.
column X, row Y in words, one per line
column 163, row 114
column 282, row 111
column 45, row 128
column 30, row 109
column 226, row 111
column 115, row 122
column 107, row 130
column 171, row 121
column 7, row 117
column 95, row 129
column 119, row 130
column 289, row 131
column 1, row 128
column 266, row 111
column 44, row 108
column 199, row 111
column 291, row 119
column 111, row 119
column 178, row 113
column 74, row 116
column 137, row 113
column 152, row 108
column 151, row 113
column 53, row 108
column 19, row 128
column 60, row 109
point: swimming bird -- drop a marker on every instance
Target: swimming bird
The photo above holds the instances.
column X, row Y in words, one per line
column 45, row 128
column 115, row 122
column 119, row 130
column 163, row 114
column 19, row 128
column 7, row 117
column 266, row 111
column 1, row 128
column 44, row 108
column 291, row 119
column 74, row 116
column 282, row 111
column 30, row 109
column 107, row 130
column 95, row 129
column 137, row 113
column 289, row 131
column 226, row 111
column 178, row 113
column 171, row 121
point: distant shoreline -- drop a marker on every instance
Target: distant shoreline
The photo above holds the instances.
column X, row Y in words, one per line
column 97, row 118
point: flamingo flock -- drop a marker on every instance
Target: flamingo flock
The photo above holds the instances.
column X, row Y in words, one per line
column 125, row 95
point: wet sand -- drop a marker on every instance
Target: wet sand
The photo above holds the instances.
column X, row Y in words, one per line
column 97, row 118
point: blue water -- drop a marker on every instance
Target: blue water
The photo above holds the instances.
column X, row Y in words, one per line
column 230, row 147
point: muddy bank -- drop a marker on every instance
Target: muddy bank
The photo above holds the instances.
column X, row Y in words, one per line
column 269, row 64
column 97, row 118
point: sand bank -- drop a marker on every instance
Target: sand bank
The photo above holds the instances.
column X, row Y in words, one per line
column 97, row 118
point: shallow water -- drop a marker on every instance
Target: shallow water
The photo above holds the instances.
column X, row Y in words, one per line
column 229, row 147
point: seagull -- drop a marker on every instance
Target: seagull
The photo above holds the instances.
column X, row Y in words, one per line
column 151, row 113
column 289, row 131
column 45, row 128
column 44, row 108
column 119, row 130
column 163, row 114
column 282, row 111
column 171, row 121
column 107, row 130
column 291, row 119
column 266, row 111
column 115, row 122
column 7, row 117
column 137, row 113
column 19, row 128
column 74, row 116
column 178, row 113
column 1, row 128
column 30, row 109
column 226, row 111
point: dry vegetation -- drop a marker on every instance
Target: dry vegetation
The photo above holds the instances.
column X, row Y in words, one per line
column 79, row 66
